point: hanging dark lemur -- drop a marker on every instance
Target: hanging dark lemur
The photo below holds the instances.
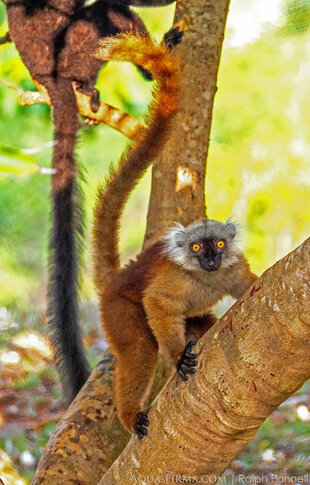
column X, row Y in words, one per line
column 55, row 39
column 156, row 302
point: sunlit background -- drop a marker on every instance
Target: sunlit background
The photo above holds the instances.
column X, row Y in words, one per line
column 258, row 173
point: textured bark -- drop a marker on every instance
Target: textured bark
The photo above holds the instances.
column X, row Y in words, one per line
column 252, row 360
column 88, row 438
column 178, row 179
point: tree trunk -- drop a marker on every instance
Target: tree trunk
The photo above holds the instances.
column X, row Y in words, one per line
column 251, row 361
column 178, row 179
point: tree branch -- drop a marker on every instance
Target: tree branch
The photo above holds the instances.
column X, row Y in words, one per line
column 88, row 438
column 251, row 361
column 114, row 117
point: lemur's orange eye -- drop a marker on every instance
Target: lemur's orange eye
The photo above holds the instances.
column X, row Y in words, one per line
column 220, row 244
column 195, row 247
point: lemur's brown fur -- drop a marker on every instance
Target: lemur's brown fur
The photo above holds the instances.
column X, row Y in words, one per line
column 150, row 304
column 55, row 39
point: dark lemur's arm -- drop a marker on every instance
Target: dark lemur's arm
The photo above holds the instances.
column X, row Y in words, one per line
column 166, row 312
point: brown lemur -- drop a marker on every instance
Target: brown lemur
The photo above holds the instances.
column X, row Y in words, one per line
column 55, row 39
column 155, row 302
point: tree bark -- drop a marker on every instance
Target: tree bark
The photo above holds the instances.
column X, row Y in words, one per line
column 178, row 178
column 251, row 361
column 88, row 438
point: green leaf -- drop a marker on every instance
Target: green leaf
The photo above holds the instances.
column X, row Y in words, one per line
column 13, row 160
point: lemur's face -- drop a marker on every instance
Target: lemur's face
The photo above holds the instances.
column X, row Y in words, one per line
column 208, row 252
column 205, row 244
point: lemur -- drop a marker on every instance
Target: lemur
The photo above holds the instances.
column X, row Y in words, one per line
column 55, row 39
column 154, row 302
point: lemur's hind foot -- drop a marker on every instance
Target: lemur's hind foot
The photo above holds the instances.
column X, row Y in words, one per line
column 142, row 423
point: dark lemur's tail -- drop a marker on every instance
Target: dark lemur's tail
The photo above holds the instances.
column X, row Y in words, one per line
column 148, row 142
column 63, row 310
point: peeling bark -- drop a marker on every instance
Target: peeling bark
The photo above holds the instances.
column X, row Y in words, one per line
column 178, row 178
column 251, row 361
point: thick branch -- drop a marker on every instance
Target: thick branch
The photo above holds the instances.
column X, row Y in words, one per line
column 89, row 437
column 249, row 363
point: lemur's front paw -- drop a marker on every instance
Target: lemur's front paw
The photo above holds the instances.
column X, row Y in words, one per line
column 142, row 422
column 187, row 362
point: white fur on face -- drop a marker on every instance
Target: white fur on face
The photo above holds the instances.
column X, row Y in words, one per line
column 179, row 239
column 175, row 239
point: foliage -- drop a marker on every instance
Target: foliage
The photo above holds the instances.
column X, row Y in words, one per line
column 258, row 168
column 30, row 396
column 17, row 162
column 297, row 16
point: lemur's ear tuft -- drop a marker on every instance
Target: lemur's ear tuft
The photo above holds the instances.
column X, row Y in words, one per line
column 230, row 229
column 179, row 235
column 179, row 243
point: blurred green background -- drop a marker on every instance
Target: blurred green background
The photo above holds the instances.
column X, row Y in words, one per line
column 258, row 173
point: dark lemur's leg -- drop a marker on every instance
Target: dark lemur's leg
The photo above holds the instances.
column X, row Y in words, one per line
column 197, row 327
column 135, row 350
column 134, row 375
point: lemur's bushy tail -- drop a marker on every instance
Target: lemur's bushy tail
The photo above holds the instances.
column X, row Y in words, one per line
column 148, row 142
column 63, row 308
